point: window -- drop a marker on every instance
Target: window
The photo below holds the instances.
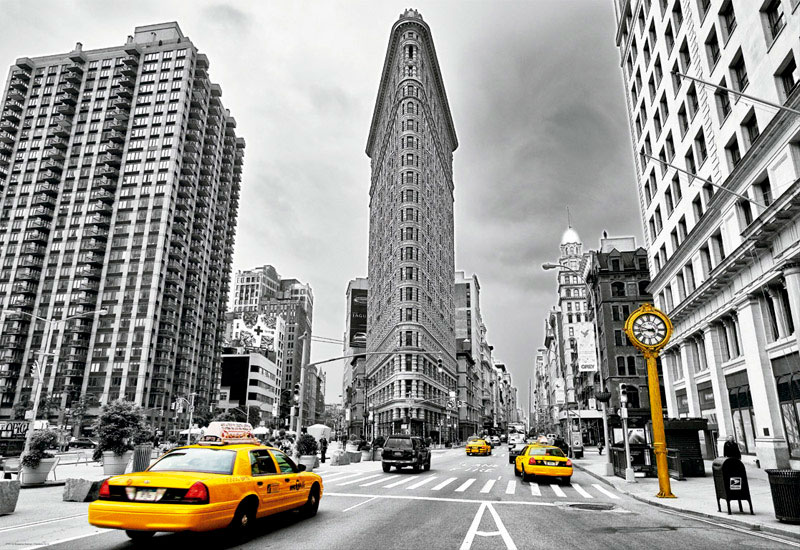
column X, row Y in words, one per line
column 670, row 146
column 745, row 213
column 617, row 289
column 712, row 49
column 677, row 16
column 786, row 76
column 750, row 129
column 676, row 78
column 732, row 151
column 284, row 463
column 763, row 192
column 775, row 19
column 691, row 100
column 691, row 167
column 718, row 246
column 700, row 144
column 727, row 19
column 702, row 6
column 739, row 73
column 723, row 102
column 669, row 37
column 620, row 365
column 685, row 58
column 683, row 121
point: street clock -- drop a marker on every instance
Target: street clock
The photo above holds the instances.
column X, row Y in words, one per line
column 648, row 328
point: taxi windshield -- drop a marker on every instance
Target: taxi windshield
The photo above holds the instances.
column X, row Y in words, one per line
column 213, row 461
column 544, row 451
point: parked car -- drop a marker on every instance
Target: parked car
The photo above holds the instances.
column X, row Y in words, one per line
column 406, row 450
column 493, row 440
column 82, row 443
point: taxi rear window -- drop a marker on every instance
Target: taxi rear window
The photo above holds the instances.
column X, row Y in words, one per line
column 543, row 451
column 478, row 442
column 213, row 461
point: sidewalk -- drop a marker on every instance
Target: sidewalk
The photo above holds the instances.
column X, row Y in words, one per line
column 696, row 496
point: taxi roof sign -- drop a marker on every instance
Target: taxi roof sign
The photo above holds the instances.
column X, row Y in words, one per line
column 228, row 433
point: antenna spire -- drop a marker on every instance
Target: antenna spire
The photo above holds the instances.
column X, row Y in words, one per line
column 569, row 220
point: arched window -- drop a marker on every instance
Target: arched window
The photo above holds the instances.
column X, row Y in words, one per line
column 618, row 289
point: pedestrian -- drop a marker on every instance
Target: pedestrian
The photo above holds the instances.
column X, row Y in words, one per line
column 731, row 448
column 600, row 446
column 323, row 447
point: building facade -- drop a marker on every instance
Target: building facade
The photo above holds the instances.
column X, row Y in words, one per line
column 263, row 291
column 251, row 380
column 411, row 252
column 354, row 380
column 719, row 207
column 468, row 346
column 120, row 172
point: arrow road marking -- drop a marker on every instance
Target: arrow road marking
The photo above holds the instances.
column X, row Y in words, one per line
column 501, row 529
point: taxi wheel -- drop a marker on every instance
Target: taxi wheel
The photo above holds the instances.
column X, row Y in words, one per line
column 516, row 472
column 566, row 480
column 244, row 518
column 139, row 535
column 528, row 478
column 309, row 509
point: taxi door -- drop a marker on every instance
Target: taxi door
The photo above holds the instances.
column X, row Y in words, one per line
column 292, row 492
column 266, row 481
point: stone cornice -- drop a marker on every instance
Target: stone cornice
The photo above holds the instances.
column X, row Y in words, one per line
column 425, row 35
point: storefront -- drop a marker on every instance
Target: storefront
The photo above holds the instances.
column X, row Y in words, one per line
column 708, row 437
column 683, row 403
column 742, row 411
column 787, row 376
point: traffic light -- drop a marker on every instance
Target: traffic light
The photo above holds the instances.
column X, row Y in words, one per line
column 296, row 395
column 439, row 363
column 623, row 394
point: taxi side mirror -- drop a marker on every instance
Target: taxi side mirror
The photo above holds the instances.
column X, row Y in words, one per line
column 301, row 467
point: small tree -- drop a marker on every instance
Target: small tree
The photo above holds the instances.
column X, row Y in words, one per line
column 41, row 441
column 119, row 425
column 306, row 445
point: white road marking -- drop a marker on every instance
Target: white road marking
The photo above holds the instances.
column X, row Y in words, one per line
column 511, row 487
column 339, row 478
column 464, row 486
column 381, row 480
column 501, row 529
column 604, row 491
column 421, row 483
column 535, row 491
column 581, row 490
column 557, row 490
column 42, row 522
column 398, row 483
column 70, row 539
column 359, row 504
column 488, row 487
column 357, row 480
column 444, row 483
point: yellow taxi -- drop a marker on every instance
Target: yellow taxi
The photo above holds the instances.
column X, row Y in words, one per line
column 227, row 480
column 545, row 461
column 478, row 447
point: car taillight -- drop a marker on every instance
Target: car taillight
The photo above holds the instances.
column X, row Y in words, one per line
column 569, row 462
column 105, row 491
column 197, row 494
column 531, row 461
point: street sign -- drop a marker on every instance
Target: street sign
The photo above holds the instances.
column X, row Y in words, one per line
column 736, row 484
column 451, row 404
column 29, row 415
column 623, row 412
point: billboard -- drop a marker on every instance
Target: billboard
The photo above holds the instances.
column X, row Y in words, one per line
column 358, row 319
column 587, row 355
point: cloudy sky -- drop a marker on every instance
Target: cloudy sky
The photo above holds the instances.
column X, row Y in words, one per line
column 536, row 97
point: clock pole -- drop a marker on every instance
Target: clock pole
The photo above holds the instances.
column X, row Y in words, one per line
column 659, row 438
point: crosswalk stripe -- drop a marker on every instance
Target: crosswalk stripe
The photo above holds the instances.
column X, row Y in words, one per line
column 604, row 491
column 511, row 487
column 488, row 487
column 464, row 486
column 557, row 490
column 443, row 484
column 338, row 478
column 582, row 491
column 397, row 483
column 381, row 480
column 535, row 491
column 423, row 482
column 357, row 480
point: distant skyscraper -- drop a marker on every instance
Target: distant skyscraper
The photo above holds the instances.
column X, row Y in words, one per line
column 411, row 256
column 119, row 176
column 355, row 341
column 263, row 291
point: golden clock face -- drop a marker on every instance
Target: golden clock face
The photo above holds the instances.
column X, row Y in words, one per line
column 650, row 329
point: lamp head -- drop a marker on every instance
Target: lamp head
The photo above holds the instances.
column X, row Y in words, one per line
column 550, row 265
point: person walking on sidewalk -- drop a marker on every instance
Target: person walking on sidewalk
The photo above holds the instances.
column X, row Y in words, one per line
column 323, row 447
column 731, row 448
column 600, row 447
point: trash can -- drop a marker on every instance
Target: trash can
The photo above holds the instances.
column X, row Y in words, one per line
column 141, row 457
column 730, row 482
column 785, row 488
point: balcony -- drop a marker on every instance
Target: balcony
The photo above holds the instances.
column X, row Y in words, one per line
column 127, row 82
column 41, row 212
column 13, row 104
column 66, row 98
column 73, row 78
column 36, row 223
column 179, row 228
column 65, row 110
column 107, row 171
column 88, row 272
column 122, row 103
column 34, row 249
column 61, row 129
column 29, row 274
column 74, row 68
column 6, row 136
column 174, row 265
column 24, row 288
column 54, row 165
column 96, row 233
column 47, row 188
column 18, row 84
column 109, row 159
column 98, row 220
column 129, row 70
column 36, row 236
column 56, row 154
column 91, row 258
column 119, row 125
column 10, row 116
column 117, row 113
column 193, row 135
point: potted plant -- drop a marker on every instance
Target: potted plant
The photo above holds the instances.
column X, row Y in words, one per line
column 119, row 425
column 366, row 452
column 377, row 447
column 37, row 462
column 307, row 449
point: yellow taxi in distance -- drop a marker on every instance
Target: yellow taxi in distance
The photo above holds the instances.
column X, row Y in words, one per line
column 478, row 447
column 227, row 480
column 543, row 460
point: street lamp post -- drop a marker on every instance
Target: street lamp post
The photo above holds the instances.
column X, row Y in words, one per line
column 41, row 368
column 609, row 466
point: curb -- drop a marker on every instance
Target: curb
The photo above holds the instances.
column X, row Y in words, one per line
column 726, row 520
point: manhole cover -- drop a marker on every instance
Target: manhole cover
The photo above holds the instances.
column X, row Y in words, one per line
column 588, row 506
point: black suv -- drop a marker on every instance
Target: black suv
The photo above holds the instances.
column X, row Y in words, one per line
column 406, row 450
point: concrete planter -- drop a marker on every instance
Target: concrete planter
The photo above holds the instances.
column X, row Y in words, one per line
column 38, row 475
column 340, row 458
column 355, row 456
column 366, row 456
column 308, row 461
column 81, row 490
column 113, row 464
column 377, row 454
column 351, row 448
column 9, row 493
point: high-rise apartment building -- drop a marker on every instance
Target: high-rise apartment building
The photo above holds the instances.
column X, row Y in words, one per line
column 411, row 255
column 719, row 205
column 468, row 345
column 263, row 291
column 120, row 172
column 354, row 381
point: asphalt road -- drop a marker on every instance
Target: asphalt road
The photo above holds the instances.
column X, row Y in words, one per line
column 462, row 502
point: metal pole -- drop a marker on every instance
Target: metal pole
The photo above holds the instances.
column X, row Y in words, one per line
column 609, row 464
column 659, row 439
column 191, row 416
column 629, row 475
column 40, row 371
column 303, row 366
